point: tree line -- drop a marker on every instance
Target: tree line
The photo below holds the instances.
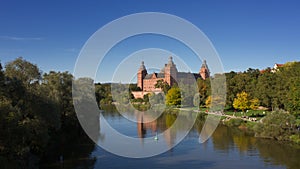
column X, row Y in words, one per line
column 270, row 88
column 35, row 110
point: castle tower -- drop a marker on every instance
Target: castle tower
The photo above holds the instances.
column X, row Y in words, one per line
column 142, row 72
column 170, row 72
column 204, row 72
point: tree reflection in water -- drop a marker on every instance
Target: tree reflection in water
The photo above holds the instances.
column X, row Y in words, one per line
column 82, row 152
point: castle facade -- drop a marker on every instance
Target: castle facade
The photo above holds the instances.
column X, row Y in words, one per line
column 169, row 74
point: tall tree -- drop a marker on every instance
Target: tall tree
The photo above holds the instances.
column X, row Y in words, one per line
column 266, row 89
column 242, row 101
column 58, row 87
column 163, row 85
column 292, row 103
column 237, row 84
column 173, row 97
column 204, row 90
column 2, row 82
column 208, row 102
column 23, row 70
column 28, row 115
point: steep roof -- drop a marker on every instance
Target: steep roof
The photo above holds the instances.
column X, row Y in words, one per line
column 186, row 74
column 148, row 76
column 160, row 75
column 279, row 65
column 157, row 75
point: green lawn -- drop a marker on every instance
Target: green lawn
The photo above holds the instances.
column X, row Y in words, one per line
column 249, row 113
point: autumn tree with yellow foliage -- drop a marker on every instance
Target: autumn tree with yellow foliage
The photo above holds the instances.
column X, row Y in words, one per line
column 243, row 102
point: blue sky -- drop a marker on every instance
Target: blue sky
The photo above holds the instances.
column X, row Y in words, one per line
column 246, row 34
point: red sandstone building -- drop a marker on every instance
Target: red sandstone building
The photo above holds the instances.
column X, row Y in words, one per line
column 168, row 74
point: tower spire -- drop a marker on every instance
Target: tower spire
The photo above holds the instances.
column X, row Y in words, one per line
column 171, row 61
column 142, row 72
column 204, row 72
column 142, row 67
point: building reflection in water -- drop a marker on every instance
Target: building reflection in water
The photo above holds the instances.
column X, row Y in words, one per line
column 150, row 129
column 143, row 127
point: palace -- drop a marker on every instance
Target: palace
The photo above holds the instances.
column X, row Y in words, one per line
column 168, row 74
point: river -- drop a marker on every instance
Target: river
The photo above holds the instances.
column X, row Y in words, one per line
column 226, row 148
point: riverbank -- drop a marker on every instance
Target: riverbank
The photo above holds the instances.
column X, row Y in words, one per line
column 257, row 123
column 277, row 125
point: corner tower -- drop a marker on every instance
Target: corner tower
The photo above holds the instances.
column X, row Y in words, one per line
column 204, row 72
column 170, row 72
column 142, row 72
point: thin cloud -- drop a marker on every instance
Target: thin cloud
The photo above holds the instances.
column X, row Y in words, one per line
column 71, row 50
column 20, row 38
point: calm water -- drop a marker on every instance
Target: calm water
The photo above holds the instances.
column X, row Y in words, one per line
column 227, row 148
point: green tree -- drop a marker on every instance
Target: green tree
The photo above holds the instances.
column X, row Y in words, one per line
column 218, row 84
column 2, row 81
column 231, row 93
column 292, row 102
column 204, row 90
column 238, row 83
column 278, row 125
column 58, row 87
column 146, row 97
column 173, row 97
column 266, row 89
column 23, row 70
column 215, row 103
column 254, row 104
column 134, row 87
column 156, row 98
column 188, row 92
column 163, row 85
column 103, row 94
column 34, row 111
column 120, row 92
column 27, row 115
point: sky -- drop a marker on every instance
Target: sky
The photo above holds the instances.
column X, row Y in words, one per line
column 246, row 34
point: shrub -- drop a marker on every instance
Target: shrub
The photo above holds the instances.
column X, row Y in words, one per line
column 234, row 122
column 278, row 125
column 295, row 138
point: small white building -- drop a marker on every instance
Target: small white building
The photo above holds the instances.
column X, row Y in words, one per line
column 276, row 66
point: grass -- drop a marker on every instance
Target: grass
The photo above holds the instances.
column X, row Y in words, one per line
column 249, row 113
column 258, row 114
